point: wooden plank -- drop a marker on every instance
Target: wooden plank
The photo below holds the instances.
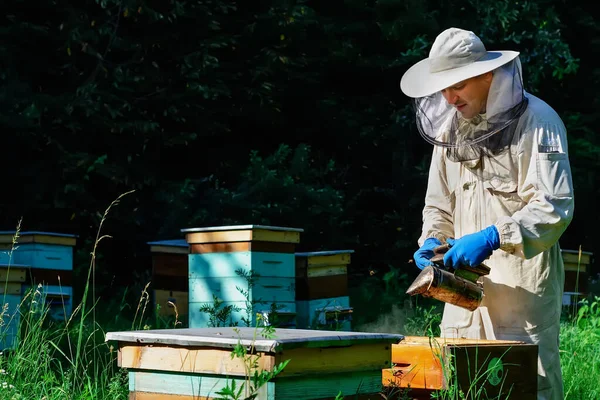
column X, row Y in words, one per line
column 165, row 396
column 12, row 274
column 573, row 257
column 322, row 287
column 47, row 256
column 179, row 298
column 193, row 360
column 351, row 384
column 179, row 383
column 569, row 266
column 173, row 246
column 327, row 270
column 170, row 264
column 39, row 237
column 228, row 337
column 10, row 288
column 265, row 289
column 324, row 260
column 226, row 265
column 169, row 249
column 262, row 235
column 255, row 246
column 310, row 387
column 353, row 358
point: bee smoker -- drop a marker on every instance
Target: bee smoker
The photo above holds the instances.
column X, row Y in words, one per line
column 459, row 287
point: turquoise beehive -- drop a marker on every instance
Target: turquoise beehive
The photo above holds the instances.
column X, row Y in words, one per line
column 237, row 272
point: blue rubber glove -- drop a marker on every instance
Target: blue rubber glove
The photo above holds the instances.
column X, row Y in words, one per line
column 471, row 250
column 425, row 252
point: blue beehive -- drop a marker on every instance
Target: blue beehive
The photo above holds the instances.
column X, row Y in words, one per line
column 39, row 260
column 237, row 272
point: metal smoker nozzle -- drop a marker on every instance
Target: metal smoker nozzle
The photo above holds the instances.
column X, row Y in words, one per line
column 447, row 287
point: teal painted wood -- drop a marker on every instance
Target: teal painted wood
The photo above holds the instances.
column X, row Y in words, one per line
column 47, row 256
column 308, row 387
column 58, row 309
column 170, row 242
column 241, row 313
column 239, row 289
column 5, row 257
column 261, row 264
column 10, row 321
column 311, row 313
column 183, row 384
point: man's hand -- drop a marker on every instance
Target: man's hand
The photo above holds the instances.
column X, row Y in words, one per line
column 425, row 252
column 471, row 250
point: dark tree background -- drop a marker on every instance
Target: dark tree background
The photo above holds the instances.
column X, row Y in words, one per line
column 285, row 113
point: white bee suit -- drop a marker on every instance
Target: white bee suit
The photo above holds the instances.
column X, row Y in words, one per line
column 527, row 193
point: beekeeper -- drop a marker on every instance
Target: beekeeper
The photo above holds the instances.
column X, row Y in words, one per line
column 499, row 189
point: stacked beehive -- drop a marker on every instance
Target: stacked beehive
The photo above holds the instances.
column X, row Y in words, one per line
column 29, row 259
column 322, row 300
column 170, row 276
column 238, row 271
column 576, row 275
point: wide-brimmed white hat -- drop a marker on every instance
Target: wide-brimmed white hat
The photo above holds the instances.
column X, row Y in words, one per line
column 456, row 55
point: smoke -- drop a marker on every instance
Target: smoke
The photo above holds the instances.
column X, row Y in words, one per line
column 392, row 322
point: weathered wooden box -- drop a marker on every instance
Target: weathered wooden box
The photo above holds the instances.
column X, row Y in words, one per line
column 170, row 276
column 190, row 364
column 322, row 297
column 41, row 261
column 577, row 272
column 480, row 368
column 241, row 271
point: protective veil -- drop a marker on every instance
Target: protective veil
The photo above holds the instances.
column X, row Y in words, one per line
column 519, row 180
column 471, row 140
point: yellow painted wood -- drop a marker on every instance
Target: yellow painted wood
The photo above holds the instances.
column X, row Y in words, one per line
column 39, row 238
column 179, row 359
column 574, row 258
column 12, row 274
column 169, row 249
column 303, row 361
column 263, row 235
column 334, row 259
column 575, row 267
column 363, row 357
column 10, row 288
column 326, row 270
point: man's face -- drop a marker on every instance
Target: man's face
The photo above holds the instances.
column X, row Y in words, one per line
column 469, row 96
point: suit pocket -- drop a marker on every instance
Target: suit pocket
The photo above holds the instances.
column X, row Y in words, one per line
column 554, row 174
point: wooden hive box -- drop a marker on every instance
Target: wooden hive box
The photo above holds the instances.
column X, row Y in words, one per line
column 577, row 272
column 322, row 299
column 248, row 269
column 196, row 363
column 499, row 369
column 47, row 258
column 170, row 276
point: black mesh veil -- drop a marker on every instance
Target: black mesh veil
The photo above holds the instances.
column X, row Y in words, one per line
column 485, row 135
